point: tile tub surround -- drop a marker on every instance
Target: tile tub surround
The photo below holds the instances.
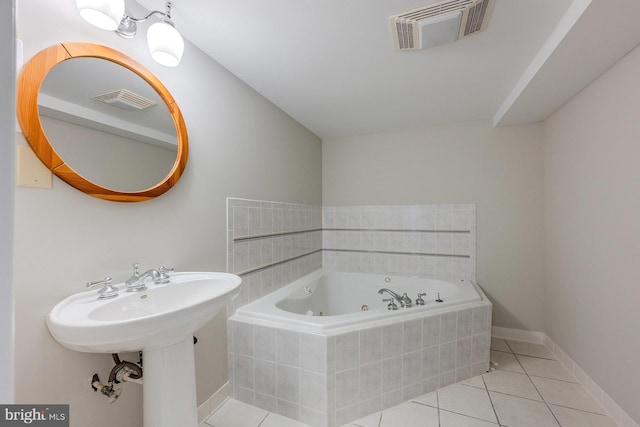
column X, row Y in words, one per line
column 328, row 380
column 270, row 244
column 429, row 240
column 508, row 396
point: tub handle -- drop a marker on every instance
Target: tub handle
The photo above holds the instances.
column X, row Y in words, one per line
column 419, row 300
column 392, row 304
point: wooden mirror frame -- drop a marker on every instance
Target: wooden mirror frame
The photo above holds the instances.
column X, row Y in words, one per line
column 29, row 83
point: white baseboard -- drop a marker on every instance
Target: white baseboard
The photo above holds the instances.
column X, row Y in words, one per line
column 518, row 334
column 617, row 414
column 213, row 403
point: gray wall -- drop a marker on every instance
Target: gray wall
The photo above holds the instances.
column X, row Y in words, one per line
column 7, row 155
column 240, row 145
column 592, row 211
column 497, row 169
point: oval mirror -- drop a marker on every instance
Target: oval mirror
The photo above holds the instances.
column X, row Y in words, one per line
column 102, row 122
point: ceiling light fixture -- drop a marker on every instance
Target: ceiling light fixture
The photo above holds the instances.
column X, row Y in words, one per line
column 165, row 42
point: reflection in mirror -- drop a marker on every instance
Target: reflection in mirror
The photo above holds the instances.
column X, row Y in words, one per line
column 108, row 124
column 80, row 128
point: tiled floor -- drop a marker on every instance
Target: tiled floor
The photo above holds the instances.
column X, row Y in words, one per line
column 529, row 388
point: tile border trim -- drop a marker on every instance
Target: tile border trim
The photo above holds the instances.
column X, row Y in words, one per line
column 273, row 264
column 272, row 235
column 365, row 251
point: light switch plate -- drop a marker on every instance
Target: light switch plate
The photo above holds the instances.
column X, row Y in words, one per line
column 30, row 172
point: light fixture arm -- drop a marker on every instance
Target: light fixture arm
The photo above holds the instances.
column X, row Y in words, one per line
column 165, row 43
column 128, row 25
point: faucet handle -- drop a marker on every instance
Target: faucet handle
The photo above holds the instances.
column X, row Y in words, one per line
column 107, row 290
column 164, row 275
column 105, row 281
column 392, row 304
column 420, row 300
column 136, row 269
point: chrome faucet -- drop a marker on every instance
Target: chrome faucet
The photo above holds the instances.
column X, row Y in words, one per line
column 404, row 300
column 107, row 291
column 136, row 283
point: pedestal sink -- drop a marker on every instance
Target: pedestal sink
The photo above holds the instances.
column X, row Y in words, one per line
column 160, row 321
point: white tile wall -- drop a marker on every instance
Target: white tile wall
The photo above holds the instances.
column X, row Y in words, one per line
column 402, row 239
column 270, row 244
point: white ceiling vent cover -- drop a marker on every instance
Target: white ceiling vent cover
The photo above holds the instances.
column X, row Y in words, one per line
column 125, row 99
column 440, row 23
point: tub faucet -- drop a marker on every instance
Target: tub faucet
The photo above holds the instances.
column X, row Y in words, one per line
column 136, row 282
column 404, row 300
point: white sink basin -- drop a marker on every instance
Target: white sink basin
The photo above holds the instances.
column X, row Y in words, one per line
column 157, row 317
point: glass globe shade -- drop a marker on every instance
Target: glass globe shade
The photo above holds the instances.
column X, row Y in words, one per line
column 104, row 14
column 165, row 44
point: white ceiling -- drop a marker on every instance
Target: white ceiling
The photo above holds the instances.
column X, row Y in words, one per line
column 331, row 64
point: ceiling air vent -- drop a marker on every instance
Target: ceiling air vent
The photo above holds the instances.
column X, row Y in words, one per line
column 125, row 99
column 440, row 23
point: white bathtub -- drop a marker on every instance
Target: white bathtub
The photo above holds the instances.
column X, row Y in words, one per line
column 324, row 301
column 327, row 370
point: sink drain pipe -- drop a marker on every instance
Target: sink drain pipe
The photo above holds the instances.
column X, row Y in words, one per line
column 123, row 371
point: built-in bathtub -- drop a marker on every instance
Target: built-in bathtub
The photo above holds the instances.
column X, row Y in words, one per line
column 326, row 349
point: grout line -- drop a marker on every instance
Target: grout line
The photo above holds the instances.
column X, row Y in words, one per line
column 265, row 417
column 582, row 410
column 491, row 401
column 536, row 357
column 474, row 386
column 467, row 416
column 536, row 388
column 519, row 397
column 438, row 403
column 554, row 379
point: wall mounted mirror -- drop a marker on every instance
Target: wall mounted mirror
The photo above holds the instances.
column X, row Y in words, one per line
column 101, row 122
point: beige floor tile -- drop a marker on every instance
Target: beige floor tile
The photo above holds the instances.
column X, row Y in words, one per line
column 563, row 393
column 372, row 420
column 466, row 400
column 410, row 415
column 450, row 419
column 500, row 345
column 530, row 349
column 237, row 414
column 474, row 382
column 511, row 383
column 275, row 420
column 506, row 361
column 518, row 412
column 467, row 404
column 545, row 368
column 429, row 399
column 574, row 418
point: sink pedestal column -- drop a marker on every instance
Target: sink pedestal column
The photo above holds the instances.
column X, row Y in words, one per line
column 169, row 387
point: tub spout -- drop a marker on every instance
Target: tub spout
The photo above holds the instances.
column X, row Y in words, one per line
column 404, row 300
